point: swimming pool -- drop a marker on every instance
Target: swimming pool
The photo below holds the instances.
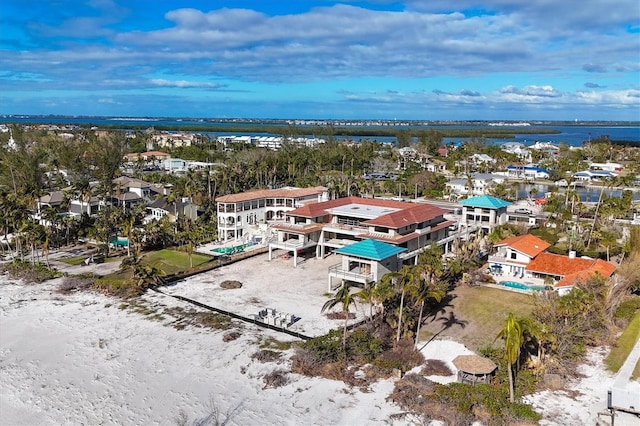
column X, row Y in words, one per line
column 120, row 242
column 520, row 286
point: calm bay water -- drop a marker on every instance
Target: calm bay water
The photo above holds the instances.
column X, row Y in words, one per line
column 589, row 194
column 573, row 135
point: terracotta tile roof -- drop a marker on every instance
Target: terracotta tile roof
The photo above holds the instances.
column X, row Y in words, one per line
column 564, row 266
column 528, row 244
column 399, row 239
column 409, row 212
column 271, row 193
column 312, row 210
column 601, row 267
column 417, row 213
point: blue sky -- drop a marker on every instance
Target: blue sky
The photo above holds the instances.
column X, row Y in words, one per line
column 413, row 59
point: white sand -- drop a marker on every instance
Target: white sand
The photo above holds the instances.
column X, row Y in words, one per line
column 80, row 359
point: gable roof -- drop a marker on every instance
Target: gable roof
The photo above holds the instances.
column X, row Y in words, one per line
column 528, row 244
column 485, row 201
column 370, row 249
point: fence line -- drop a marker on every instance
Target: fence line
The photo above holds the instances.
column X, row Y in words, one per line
column 236, row 316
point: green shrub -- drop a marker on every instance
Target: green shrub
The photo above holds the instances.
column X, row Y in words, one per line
column 555, row 249
column 545, row 234
column 361, row 346
column 628, row 309
column 327, row 348
column 467, row 399
column 30, row 272
column 403, row 356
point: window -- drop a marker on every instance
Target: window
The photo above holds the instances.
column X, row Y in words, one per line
column 514, row 255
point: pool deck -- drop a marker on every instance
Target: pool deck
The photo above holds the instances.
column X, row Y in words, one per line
column 528, row 281
column 208, row 248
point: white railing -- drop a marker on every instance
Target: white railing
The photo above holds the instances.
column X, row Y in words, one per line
column 338, row 272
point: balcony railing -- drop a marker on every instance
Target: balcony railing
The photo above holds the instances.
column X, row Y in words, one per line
column 352, row 275
column 497, row 258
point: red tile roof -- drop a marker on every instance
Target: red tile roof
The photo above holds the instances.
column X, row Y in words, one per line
column 417, row 213
column 312, row 210
column 528, row 244
column 271, row 193
column 570, row 269
column 409, row 213
column 601, row 267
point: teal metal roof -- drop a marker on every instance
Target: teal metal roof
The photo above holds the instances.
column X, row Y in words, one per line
column 370, row 249
column 485, row 201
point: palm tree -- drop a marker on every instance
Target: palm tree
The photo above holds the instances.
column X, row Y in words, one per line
column 543, row 336
column 367, row 295
column 424, row 291
column 128, row 220
column 383, row 291
column 344, row 298
column 402, row 280
column 513, row 334
column 83, row 190
column 146, row 275
column 431, row 268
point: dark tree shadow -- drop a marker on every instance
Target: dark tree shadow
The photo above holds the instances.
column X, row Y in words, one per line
column 447, row 321
column 440, row 308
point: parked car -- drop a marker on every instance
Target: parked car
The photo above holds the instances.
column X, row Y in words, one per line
column 523, row 211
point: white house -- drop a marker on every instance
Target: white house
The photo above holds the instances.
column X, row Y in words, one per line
column 174, row 165
column 518, row 149
column 482, row 159
column 237, row 212
column 594, row 175
column 481, row 183
column 484, row 211
column 530, row 171
column 608, row 167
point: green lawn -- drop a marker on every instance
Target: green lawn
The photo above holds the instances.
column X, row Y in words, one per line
column 625, row 343
column 477, row 314
column 74, row 261
column 174, row 261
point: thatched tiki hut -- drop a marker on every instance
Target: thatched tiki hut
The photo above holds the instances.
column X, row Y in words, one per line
column 474, row 369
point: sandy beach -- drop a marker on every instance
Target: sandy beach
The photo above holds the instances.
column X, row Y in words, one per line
column 86, row 359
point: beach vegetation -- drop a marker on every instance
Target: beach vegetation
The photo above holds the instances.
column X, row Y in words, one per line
column 76, row 283
column 275, row 379
column 343, row 298
column 267, row 355
column 274, row 344
column 458, row 403
column 29, row 272
column 214, row 415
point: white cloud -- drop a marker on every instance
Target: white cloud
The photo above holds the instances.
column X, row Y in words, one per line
column 184, row 84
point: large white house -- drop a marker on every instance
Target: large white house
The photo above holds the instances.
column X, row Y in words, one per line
column 236, row 212
column 327, row 226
